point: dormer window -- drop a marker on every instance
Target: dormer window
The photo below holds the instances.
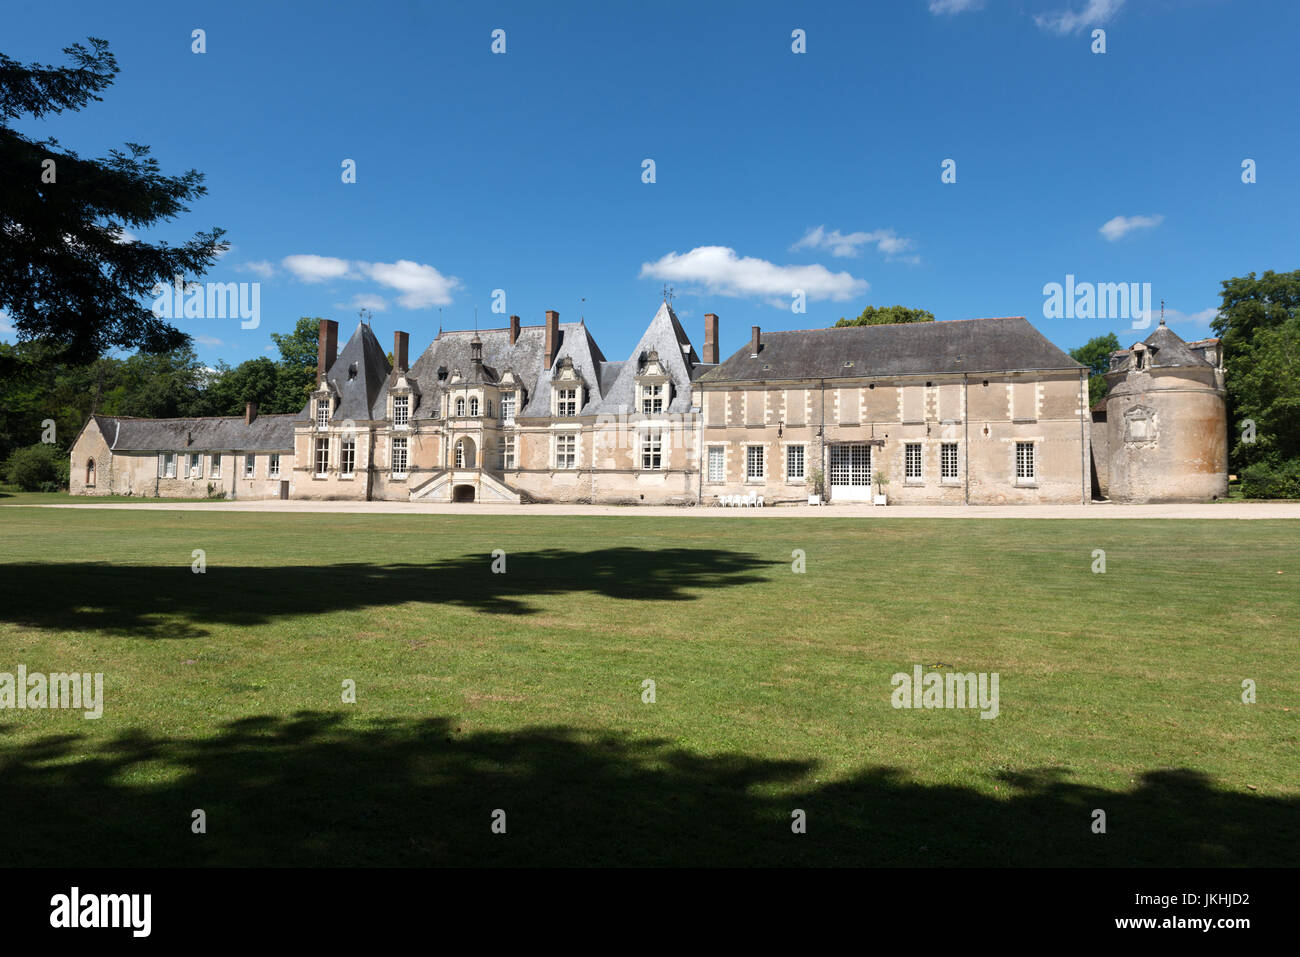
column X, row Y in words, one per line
column 508, row 408
column 401, row 409
column 652, row 398
column 566, row 402
column 322, row 413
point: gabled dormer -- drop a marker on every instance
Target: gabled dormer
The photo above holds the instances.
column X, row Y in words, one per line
column 512, row 394
column 654, row 384
column 568, row 389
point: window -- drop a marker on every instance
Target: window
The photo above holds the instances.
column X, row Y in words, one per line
column 401, row 409
column 196, row 466
column 566, row 402
column 250, row 466
column 508, row 407
column 399, row 457
column 348, row 457
column 1025, row 462
column 322, row 413
column 508, row 452
column 652, row 450
column 473, row 405
column 460, row 454
column 566, row 451
column 273, row 469
column 948, row 460
column 487, row 408
column 460, row 406
column 794, row 463
column 717, row 463
column 322, row 457
column 912, row 462
column 90, row 471
column 214, row 466
column 753, row 462
column 652, row 399
column 167, row 465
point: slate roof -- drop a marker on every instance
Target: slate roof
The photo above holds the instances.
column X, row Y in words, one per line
column 665, row 336
column 1168, row 350
column 915, row 348
column 575, row 344
column 451, row 351
column 359, row 374
column 225, row 433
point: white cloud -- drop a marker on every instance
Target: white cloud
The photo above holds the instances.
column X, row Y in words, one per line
column 420, row 284
column 125, row 236
column 260, row 267
column 6, row 327
column 208, row 341
column 841, row 245
column 311, row 268
column 1095, row 13
column 367, row 301
column 1201, row 318
column 722, row 272
column 1120, row 226
column 940, row 7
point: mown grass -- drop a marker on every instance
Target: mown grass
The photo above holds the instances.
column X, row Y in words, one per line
column 523, row 691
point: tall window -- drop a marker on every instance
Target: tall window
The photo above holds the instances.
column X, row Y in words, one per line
column 566, row 402
column 717, row 463
column 912, row 462
column 794, row 463
column 348, row 457
column 250, row 466
column 90, row 471
column 1025, row 462
column 196, row 465
column 273, row 468
column 508, row 407
column 460, row 454
column 460, row 406
column 487, row 408
column 167, row 465
column 399, row 457
column 214, row 465
column 508, row 452
column 322, row 457
column 652, row 450
column 401, row 409
column 652, row 399
column 322, row 413
column 473, row 405
column 566, row 451
column 754, row 462
column 948, row 460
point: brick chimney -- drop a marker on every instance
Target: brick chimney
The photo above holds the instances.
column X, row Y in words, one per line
column 327, row 345
column 514, row 329
column 250, row 412
column 710, row 337
column 753, row 343
column 552, row 337
column 400, row 342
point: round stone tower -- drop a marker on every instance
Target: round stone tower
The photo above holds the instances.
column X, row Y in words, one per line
column 1167, row 421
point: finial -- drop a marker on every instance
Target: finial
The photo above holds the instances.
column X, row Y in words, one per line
column 668, row 295
column 1162, row 312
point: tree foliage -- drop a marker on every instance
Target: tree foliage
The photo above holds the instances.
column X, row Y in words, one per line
column 69, row 273
column 887, row 315
column 1095, row 354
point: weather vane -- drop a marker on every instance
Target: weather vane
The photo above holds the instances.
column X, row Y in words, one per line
column 668, row 294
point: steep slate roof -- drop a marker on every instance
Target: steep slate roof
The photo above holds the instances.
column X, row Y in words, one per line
column 913, row 348
column 225, row 433
column 576, row 344
column 361, row 395
column 451, row 350
column 1168, row 350
column 665, row 336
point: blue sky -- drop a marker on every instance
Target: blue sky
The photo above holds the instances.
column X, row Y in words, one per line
column 523, row 171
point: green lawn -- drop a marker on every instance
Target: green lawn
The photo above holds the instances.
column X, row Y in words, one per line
column 523, row 691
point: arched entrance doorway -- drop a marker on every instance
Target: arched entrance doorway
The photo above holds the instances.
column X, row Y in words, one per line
column 462, row 493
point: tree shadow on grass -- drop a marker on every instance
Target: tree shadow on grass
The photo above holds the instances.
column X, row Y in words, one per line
column 174, row 602
column 320, row 789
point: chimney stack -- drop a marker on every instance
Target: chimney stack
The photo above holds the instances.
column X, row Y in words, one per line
column 514, row 329
column 250, row 412
column 400, row 342
column 327, row 345
column 552, row 337
column 753, row 345
column 711, row 338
